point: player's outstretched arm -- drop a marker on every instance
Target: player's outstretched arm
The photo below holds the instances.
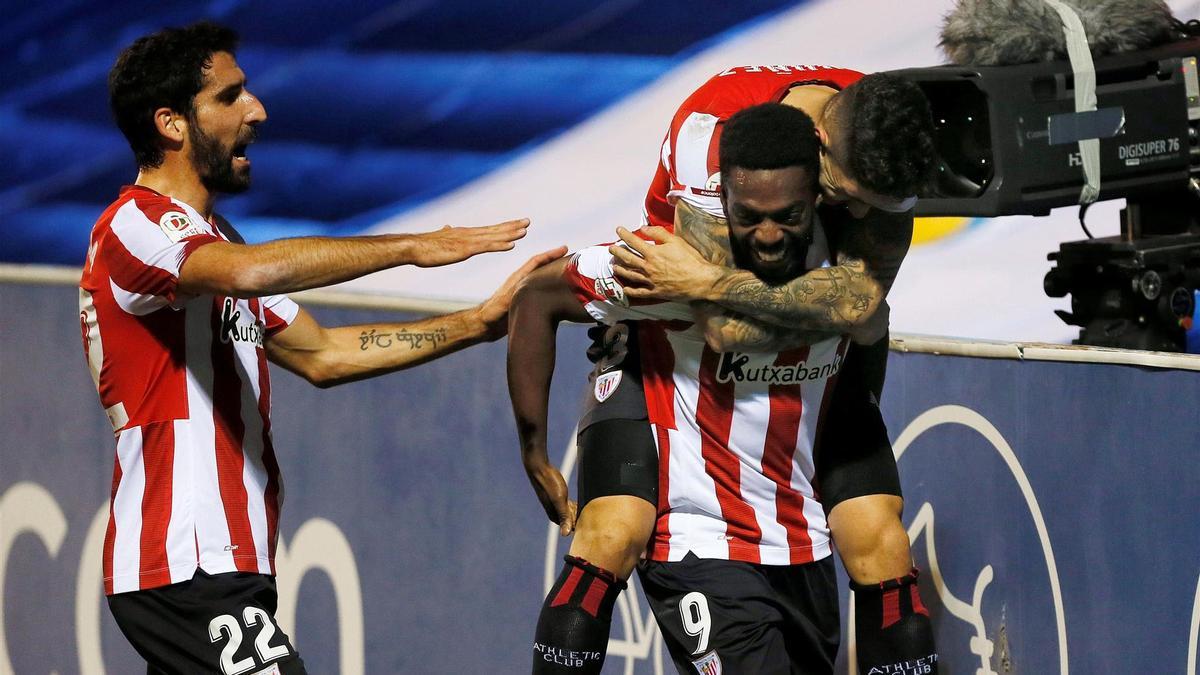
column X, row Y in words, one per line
column 331, row 356
column 541, row 302
column 289, row 265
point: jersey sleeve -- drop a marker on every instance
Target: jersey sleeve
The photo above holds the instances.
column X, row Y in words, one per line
column 279, row 311
column 659, row 209
column 690, row 158
column 689, row 166
column 589, row 274
column 148, row 244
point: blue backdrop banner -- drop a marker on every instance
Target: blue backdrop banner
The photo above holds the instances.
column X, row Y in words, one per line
column 1052, row 506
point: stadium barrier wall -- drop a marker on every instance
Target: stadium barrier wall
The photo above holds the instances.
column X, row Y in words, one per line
column 1051, row 495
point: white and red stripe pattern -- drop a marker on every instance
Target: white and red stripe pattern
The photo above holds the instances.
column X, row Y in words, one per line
column 185, row 383
column 689, row 164
column 735, row 431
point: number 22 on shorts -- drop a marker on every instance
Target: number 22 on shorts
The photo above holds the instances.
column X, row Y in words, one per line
column 226, row 626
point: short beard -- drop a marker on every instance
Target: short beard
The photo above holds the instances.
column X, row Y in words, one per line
column 214, row 164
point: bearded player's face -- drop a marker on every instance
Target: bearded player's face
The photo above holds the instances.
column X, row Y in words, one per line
column 221, row 126
column 770, row 215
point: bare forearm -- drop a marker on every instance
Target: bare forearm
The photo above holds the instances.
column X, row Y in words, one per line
column 827, row 300
column 530, row 369
column 727, row 332
column 538, row 307
column 289, row 265
column 531, row 357
column 351, row 353
column 295, row 264
column 835, row 299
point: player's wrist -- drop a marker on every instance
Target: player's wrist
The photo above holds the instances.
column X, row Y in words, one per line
column 485, row 324
column 711, row 286
column 405, row 249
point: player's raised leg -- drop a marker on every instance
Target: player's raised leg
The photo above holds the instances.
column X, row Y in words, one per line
column 891, row 624
column 617, row 492
column 860, row 487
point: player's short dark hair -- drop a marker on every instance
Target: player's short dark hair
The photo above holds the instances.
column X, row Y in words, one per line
column 886, row 138
column 162, row 70
column 769, row 136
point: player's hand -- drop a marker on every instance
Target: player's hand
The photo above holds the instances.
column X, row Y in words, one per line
column 455, row 244
column 551, row 491
column 668, row 269
column 494, row 311
column 875, row 327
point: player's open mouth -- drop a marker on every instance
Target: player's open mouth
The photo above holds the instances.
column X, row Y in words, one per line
column 771, row 256
column 239, row 153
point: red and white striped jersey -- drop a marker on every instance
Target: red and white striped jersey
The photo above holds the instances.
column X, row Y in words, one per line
column 735, row 431
column 184, row 382
column 688, row 167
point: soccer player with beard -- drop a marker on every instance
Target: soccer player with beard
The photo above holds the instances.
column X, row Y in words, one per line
column 179, row 319
column 739, row 572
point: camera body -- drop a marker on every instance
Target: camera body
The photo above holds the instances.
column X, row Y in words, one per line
column 1008, row 143
column 1006, row 135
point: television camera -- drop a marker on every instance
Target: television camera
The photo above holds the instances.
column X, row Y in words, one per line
column 1008, row 139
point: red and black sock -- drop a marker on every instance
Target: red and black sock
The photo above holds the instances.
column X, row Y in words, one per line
column 893, row 629
column 572, row 630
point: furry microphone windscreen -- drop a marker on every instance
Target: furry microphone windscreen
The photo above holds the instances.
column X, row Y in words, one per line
column 1009, row 32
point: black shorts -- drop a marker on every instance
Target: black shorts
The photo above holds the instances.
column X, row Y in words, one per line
column 762, row 619
column 223, row 623
column 617, row 457
column 853, row 456
column 617, row 453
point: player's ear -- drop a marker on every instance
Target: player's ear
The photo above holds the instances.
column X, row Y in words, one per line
column 170, row 125
column 823, row 136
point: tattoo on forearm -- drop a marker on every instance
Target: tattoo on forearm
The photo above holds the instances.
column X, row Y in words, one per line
column 827, row 298
column 375, row 338
column 743, row 334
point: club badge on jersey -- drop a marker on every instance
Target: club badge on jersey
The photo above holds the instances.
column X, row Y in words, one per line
column 606, row 384
column 177, row 226
column 709, row 664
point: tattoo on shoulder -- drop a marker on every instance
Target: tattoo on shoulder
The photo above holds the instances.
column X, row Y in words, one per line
column 706, row 233
column 377, row 339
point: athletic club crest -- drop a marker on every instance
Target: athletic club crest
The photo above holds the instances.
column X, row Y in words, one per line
column 607, row 287
column 606, row 384
column 713, row 184
column 709, row 664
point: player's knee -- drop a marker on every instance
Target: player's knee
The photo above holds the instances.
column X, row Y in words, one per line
column 612, row 532
column 891, row 542
column 614, row 548
column 871, row 538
